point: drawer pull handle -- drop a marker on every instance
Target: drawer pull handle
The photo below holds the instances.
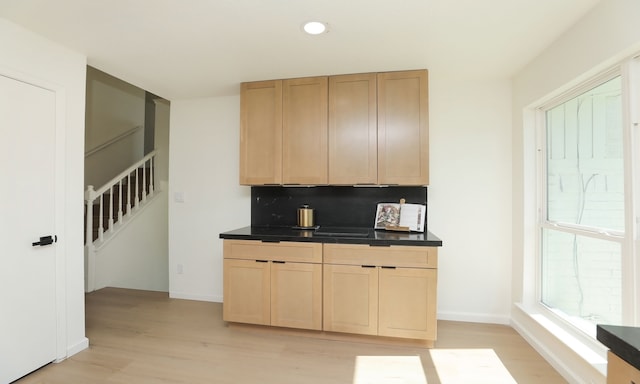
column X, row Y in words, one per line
column 278, row 262
column 388, row 267
column 368, row 266
column 262, row 261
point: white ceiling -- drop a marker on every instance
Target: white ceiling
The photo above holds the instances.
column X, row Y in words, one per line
column 199, row 48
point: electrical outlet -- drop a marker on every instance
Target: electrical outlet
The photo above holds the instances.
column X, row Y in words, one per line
column 179, row 269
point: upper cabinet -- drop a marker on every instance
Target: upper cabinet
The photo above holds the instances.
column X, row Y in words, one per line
column 361, row 129
column 353, row 129
column 403, row 128
column 261, row 133
column 304, row 131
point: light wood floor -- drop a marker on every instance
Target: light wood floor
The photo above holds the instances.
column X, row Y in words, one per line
column 145, row 337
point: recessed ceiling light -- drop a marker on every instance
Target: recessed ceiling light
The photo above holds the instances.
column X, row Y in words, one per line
column 315, row 27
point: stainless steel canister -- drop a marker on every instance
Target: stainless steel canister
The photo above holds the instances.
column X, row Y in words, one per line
column 305, row 216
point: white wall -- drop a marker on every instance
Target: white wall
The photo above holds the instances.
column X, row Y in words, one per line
column 25, row 52
column 605, row 35
column 137, row 256
column 469, row 196
column 114, row 107
column 204, row 153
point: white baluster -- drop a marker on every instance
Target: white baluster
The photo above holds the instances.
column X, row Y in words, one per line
column 129, row 193
column 110, row 229
column 137, row 200
column 101, row 219
column 120, row 201
column 144, row 182
column 151, row 178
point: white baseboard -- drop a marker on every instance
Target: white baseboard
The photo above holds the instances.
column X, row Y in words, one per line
column 189, row 296
column 473, row 317
column 75, row 348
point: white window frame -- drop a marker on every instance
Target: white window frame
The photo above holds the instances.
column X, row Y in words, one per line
column 629, row 70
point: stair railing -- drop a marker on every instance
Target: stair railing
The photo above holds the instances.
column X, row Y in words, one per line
column 133, row 185
column 112, row 141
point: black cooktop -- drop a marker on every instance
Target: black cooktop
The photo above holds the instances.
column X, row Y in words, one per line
column 341, row 231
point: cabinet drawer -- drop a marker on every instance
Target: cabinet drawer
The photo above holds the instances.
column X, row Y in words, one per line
column 621, row 372
column 284, row 251
column 393, row 256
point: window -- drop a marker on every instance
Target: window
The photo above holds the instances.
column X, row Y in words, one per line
column 583, row 206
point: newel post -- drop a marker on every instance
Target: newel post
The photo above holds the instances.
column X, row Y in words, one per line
column 89, row 196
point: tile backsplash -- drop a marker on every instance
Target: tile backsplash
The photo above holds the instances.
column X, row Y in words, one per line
column 334, row 206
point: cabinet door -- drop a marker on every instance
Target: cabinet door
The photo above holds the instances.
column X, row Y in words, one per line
column 353, row 136
column 304, row 140
column 620, row 372
column 296, row 295
column 350, row 299
column 403, row 128
column 246, row 295
column 407, row 303
column 261, row 132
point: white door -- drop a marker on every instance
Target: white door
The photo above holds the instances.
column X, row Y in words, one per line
column 27, row 272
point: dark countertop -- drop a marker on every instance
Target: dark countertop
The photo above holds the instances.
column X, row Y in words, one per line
column 335, row 235
column 622, row 341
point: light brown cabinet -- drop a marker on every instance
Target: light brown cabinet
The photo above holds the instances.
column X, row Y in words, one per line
column 385, row 291
column 277, row 284
column 261, row 133
column 349, row 288
column 338, row 130
column 247, row 291
column 353, row 132
column 403, row 128
column 350, row 299
column 304, row 131
column 283, row 132
column 620, row 372
column 407, row 302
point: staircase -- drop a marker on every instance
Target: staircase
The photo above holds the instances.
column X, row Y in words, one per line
column 118, row 202
column 110, row 207
column 115, row 202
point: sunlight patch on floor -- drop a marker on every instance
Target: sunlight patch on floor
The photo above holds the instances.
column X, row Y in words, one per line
column 389, row 370
column 470, row 366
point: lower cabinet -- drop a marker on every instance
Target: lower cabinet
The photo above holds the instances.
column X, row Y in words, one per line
column 247, row 291
column 263, row 286
column 350, row 299
column 384, row 291
column 296, row 295
column 350, row 288
column 621, row 372
column 407, row 303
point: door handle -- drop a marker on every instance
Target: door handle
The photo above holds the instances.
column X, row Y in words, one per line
column 46, row 240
